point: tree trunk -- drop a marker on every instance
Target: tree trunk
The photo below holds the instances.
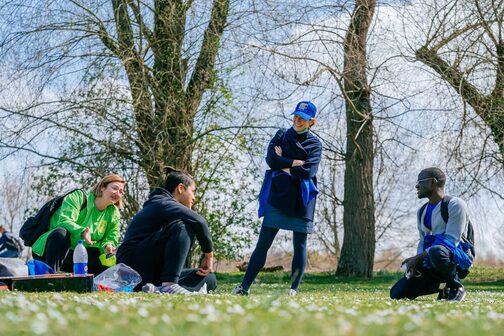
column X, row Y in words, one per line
column 357, row 254
column 165, row 97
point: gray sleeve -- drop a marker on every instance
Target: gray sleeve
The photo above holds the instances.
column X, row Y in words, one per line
column 457, row 220
column 421, row 233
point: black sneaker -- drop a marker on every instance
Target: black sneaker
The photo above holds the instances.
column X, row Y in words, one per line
column 443, row 294
column 239, row 290
column 456, row 294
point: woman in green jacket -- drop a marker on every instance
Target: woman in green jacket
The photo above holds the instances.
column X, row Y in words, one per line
column 97, row 225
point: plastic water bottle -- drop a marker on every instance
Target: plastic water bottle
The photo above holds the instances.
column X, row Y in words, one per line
column 80, row 260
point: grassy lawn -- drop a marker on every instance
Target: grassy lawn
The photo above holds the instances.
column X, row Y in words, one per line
column 325, row 306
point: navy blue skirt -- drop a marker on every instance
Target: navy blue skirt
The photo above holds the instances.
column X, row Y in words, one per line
column 276, row 219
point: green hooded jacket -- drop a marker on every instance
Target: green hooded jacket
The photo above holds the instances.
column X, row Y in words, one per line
column 104, row 225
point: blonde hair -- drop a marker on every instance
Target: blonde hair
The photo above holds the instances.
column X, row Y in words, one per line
column 97, row 188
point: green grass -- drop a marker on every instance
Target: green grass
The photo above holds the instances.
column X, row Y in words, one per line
column 325, row 306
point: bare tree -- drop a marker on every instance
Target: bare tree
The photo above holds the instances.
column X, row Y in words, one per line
column 14, row 198
column 464, row 45
column 167, row 64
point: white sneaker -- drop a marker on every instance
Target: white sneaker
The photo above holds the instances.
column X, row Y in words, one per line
column 174, row 289
column 171, row 289
column 150, row 288
column 203, row 290
column 292, row 292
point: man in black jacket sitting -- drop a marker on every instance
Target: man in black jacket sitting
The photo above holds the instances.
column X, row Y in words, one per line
column 158, row 239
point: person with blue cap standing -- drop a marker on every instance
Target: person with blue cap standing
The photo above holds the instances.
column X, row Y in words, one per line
column 288, row 194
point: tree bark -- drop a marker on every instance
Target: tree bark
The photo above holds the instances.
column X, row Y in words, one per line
column 357, row 254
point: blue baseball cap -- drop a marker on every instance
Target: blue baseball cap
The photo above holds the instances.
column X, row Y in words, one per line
column 305, row 110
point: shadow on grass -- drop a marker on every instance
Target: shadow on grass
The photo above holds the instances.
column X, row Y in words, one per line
column 381, row 279
column 485, row 279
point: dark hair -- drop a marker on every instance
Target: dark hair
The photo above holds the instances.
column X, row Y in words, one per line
column 437, row 174
column 174, row 177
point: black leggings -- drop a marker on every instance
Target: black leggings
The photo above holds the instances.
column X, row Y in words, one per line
column 59, row 256
column 161, row 256
column 258, row 257
column 443, row 271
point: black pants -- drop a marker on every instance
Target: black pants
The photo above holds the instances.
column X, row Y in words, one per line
column 59, row 256
column 160, row 258
column 443, row 271
column 258, row 257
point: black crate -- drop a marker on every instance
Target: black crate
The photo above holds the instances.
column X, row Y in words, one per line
column 51, row 283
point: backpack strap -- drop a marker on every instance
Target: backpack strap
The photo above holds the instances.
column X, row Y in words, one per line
column 84, row 197
column 422, row 210
column 469, row 236
column 56, row 202
column 84, row 202
column 444, row 208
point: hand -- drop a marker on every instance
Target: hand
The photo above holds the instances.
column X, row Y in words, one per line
column 413, row 265
column 278, row 150
column 297, row 163
column 86, row 235
column 206, row 265
column 109, row 249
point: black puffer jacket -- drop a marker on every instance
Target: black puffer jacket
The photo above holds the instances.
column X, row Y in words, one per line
column 160, row 210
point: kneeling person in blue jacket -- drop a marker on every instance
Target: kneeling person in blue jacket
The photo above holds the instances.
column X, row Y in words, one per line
column 442, row 256
column 158, row 239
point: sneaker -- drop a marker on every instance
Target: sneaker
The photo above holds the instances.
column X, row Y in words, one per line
column 171, row 289
column 174, row 289
column 292, row 292
column 150, row 288
column 456, row 294
column 239, row 290
column 203, row 290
